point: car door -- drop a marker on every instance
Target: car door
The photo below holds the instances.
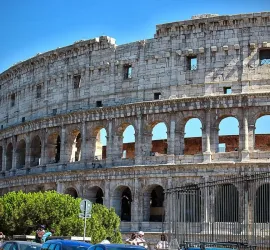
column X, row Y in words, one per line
column 6, row 246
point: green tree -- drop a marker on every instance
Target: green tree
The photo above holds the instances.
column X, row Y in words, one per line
column 21, row 213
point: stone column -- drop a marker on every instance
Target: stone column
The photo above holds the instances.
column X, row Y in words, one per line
column 106, row 200
column 135, row 207
column 214, row 139
column 4, row 155
column 206, row 137
column 109, row 144
column 44, row 153
column 28, row 151
column 251, row 136
column 59, row 187
column 117, row 147
column 83, row 144
column 63, row 156
column 138, row 141
column 245, row 136
column 14, row 158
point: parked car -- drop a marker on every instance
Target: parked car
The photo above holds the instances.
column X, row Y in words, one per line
column 20, row 245
column 116, row 247
column 60, row 244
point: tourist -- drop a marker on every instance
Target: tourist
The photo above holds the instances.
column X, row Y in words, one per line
column 106, row 241
column 140, row 239
column 47, row 235
column 163, row 243
column 132, row 240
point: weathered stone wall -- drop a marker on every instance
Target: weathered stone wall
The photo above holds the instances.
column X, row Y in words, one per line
column 68, row 95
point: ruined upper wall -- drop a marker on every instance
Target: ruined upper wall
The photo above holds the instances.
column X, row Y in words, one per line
column 227, row 50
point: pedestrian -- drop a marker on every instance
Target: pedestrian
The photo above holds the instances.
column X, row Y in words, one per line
column 106, row 241
column 39, row 233
column 163, row 243
column 47, row 235
column 132, row 240
column 140, row 239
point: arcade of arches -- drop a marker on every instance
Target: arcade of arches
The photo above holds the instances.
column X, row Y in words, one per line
column 64, row 146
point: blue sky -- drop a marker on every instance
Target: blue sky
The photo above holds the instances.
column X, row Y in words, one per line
column 32, row 26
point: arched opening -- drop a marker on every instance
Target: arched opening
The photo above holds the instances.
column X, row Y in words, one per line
column 94, row 194
column 129, row 142
column 20, row 154
column 159, row 139
column 227, row 204
column 228, row 135
column 9, row 155
column 54, row 147
column 76, row 148
column 122, row 200
column 100, row 145
column 262, row 133
column 156, row 204
column 72, row 192
column 35, row 151
column 190, row 204
column 262, row 205
column 126, row 205
column 1, row 158
column 193, row 137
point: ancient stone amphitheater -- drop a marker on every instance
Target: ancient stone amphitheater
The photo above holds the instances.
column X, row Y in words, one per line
column 54, row 105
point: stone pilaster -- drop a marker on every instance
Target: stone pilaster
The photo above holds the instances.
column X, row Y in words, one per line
column 134, row 207
column 245, row 136
column 28, row 151
column 14, row 158
column 109, row 147
column 206, row 137
column 4, row 155
column 63, row 156
column 138, row 141
column 83, row 145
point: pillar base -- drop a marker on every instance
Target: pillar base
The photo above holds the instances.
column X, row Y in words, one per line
column 245, row 155
column 170, row 159
column 134, row 227
column 207, row 157
column 138, row 160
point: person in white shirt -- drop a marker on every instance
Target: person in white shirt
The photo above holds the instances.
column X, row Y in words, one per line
column 106, row 241
column 163, row 243
column 132, row 240
column 140, row 240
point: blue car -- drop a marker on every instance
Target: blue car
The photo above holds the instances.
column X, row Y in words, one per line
column 60, row 244
column 115, row 247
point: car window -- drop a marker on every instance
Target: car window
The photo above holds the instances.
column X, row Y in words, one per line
column 74, row 247
column 7, row 246
column 51, row 246
column 45, row 246
column 57, row 247
column 99, row 248
column 13, row 246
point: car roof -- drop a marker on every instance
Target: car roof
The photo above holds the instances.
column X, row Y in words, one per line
column 120, row 245
column 24, row 242
column 69, row 242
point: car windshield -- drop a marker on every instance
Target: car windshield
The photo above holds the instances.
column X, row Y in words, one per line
column 74, row 247
column 30, row 246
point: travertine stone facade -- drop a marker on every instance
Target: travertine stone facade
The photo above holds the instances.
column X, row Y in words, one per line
column 54, row 105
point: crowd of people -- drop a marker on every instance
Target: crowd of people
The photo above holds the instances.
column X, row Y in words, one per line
column 138, row 239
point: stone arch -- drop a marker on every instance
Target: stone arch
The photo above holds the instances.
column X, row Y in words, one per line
column 193, row 136
column 228, row 136
column 128, row 135
column 75, row 149
column 262, row 133
column 72, row 192
column 226, row 203
column 153, row 203
column 100, row 143
column 94, row 194
column 1, row 158
column 35, row 151
column 9, row 156
column 20, row 154
column 262, row 204
column 122, row 200
column 54, row 147
column 159, row 138
column 190, row 202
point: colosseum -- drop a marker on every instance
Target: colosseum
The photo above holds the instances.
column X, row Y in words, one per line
column 55, row 105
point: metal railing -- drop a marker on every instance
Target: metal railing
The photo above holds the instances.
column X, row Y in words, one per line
column 234, row 209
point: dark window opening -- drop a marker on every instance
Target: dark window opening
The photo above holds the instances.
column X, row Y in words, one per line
column 12, row 100
column 57, row 149
column 265, row 57
column 127, row 71
column 76, row 81
column 38, row 91
column 157, row 96
column 54, row 111
column 192, row 63
column 99, row 104
column 23, row 119
column 227, row 90
column 2, row 126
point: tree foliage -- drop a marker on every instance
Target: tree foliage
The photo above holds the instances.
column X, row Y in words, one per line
column 21, row 213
